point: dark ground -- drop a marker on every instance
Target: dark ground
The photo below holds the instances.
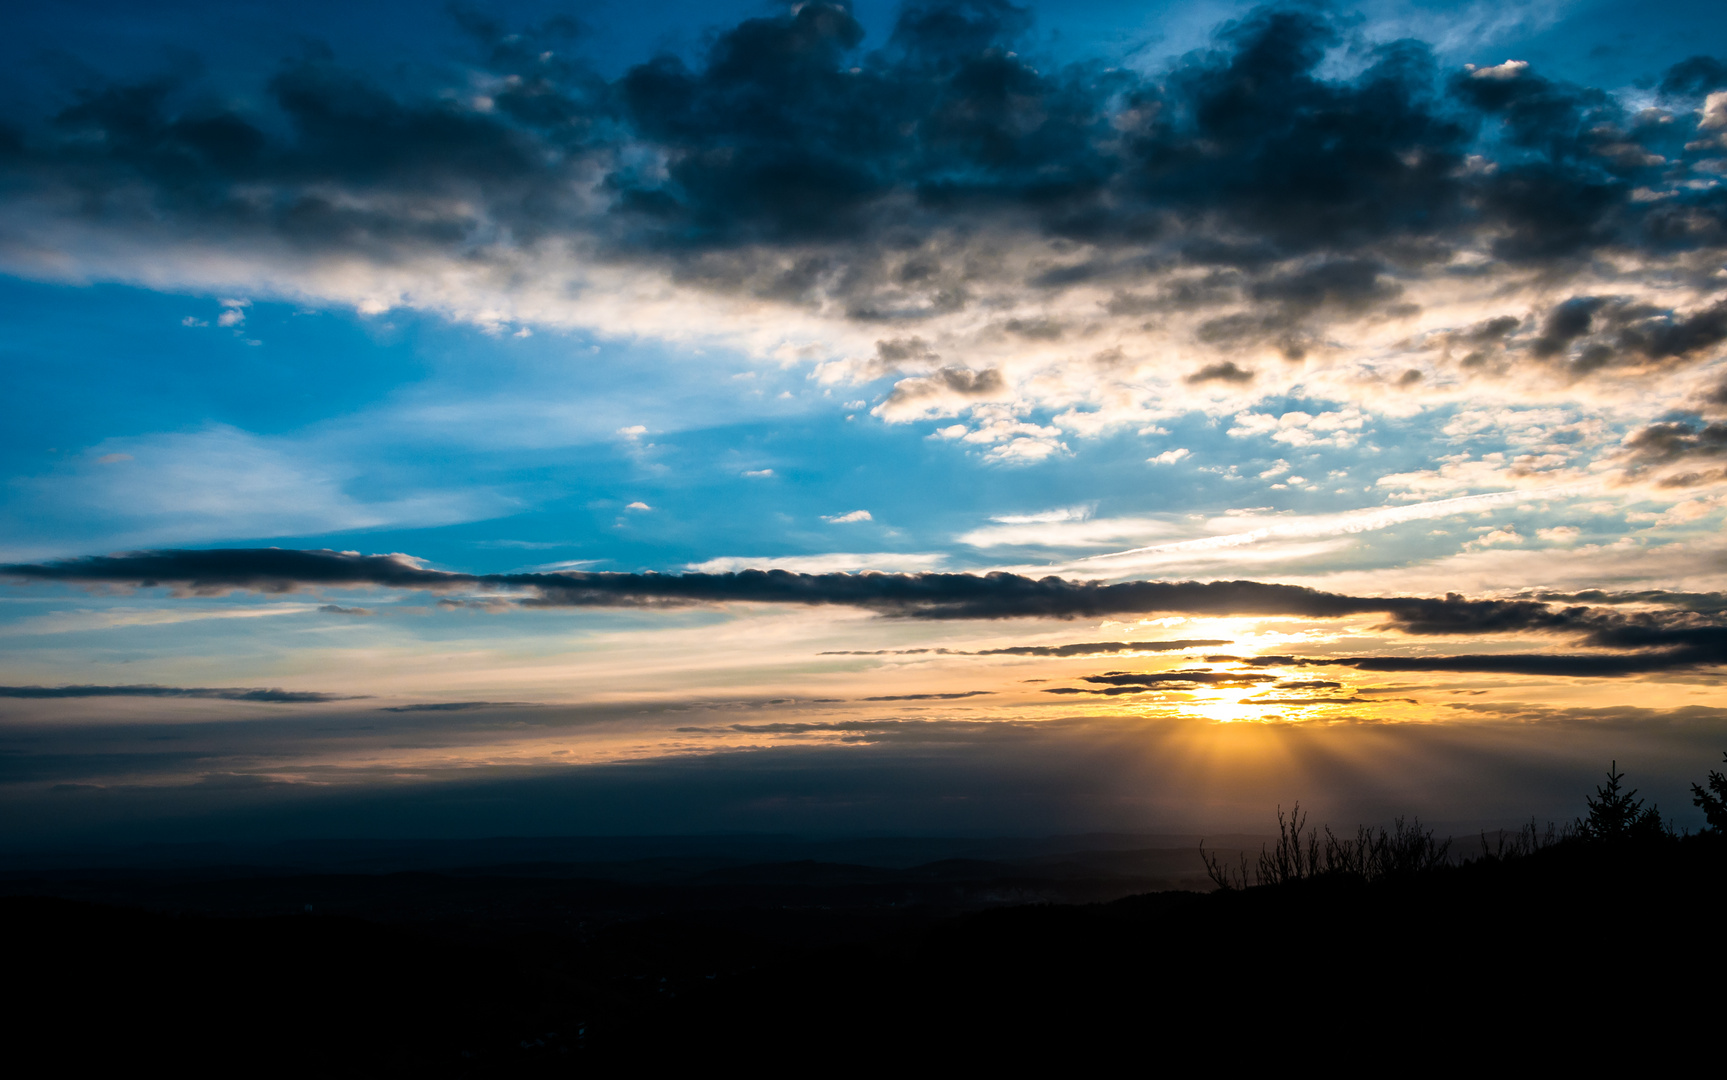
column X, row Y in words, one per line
column 683, row 959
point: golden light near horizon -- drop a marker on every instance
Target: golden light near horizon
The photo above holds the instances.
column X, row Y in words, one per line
column 1229, row 707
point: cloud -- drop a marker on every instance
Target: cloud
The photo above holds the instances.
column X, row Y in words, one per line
column 1124, row 682
column 1099, row 648
column 943, row 393
column 638, row 506
column 1065, row 513
column 1322, row 525
column 847, row 518
column 337, row 609
column 1674, row 442
column 1168, row 457
column 219, row 481
column 929, row 697
column 231, row 317
column 1504, row 535
column 457, row 706
column 1223, row 371
column 949, row 208
column 828, row 563
column 1511, row 69
column 1084, row 648
column 1573, row 665
column 1671, row 638
column 150, row 690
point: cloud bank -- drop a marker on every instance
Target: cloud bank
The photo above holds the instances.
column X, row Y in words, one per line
column 1300, row 209
column 150, row 690
column 1663, row 637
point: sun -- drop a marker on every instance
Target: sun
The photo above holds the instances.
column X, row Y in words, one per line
column 1228, row 707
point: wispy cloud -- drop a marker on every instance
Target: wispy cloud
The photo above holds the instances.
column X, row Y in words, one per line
column 1321, row 525
column 830, row 563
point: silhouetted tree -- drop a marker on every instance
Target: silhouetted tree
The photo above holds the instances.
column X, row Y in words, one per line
column 1713, row 802
column 1619, row 815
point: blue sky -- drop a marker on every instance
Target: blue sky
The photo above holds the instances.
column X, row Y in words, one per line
column 1384, row 301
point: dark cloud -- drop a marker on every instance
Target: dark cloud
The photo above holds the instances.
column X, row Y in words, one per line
column 1589, row 333
column 887, row 652
column 458, row 706
column 1564, row 324
column 1099, row 648
column 1707, row 603
column 947, row 382
column 924, row 596
column 150, row 690
column 1126, row 682
column 216, row 570
column 798, row 162
column 1224, row 371
column 1034, row 329
column 1711, row 650
column 1665, row 443
column 929, row 697
column 1649, row 640
column 919, row 596
column 1483, row 344
column 898, row 353
column 1347, row 284
column 1084, row 648
column 1579, row 665
column 337, row 609
column 1694, row 77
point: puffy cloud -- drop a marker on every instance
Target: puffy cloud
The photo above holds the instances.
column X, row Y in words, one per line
column 1505, row 535
column 1714, row 111
column 1298, row 428
column 944, row 393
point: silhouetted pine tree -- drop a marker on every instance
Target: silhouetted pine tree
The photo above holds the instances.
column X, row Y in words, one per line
column 1619, row 815
column 1713, row 802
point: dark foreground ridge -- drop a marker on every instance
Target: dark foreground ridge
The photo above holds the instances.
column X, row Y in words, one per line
column 1380, row 943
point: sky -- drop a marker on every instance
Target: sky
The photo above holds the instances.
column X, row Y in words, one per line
column 941, row 418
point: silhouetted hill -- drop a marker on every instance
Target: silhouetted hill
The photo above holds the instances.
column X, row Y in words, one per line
column 499, row 975
column 602, row 856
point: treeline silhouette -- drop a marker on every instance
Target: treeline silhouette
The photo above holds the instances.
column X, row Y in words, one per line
column 1384, row 948
column 1614, row 815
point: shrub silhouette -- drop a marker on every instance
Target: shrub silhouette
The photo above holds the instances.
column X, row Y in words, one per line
column 1713, row 802
column 1369, row 855
column 1619, row 815
column 1295, row 857
column 1525, row 841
